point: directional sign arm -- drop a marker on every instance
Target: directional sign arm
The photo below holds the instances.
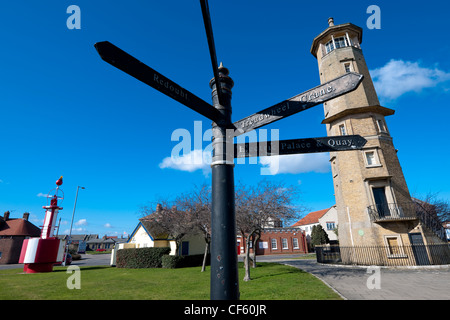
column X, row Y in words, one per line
column 128, row 64
column 320, row 94
column 211, row 45
column 297, row 146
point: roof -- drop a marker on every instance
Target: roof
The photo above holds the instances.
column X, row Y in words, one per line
column 310, row 218
column 19, row 227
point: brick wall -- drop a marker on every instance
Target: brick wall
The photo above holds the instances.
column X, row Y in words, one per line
column 282, row 238
column 10, row 249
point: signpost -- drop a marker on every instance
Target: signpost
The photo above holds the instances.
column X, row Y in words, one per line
column 224, row 273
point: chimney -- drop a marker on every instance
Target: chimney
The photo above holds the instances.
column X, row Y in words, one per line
column 6, row 216
column 330, row 22
column 26, row 215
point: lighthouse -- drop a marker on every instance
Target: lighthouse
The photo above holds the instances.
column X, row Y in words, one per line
column 40, row 254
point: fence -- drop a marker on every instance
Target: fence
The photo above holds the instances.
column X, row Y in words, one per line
column 406, row 255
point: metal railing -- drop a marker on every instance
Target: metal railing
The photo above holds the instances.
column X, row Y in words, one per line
column 405, row 255
column 392, row 211
column 406, row 211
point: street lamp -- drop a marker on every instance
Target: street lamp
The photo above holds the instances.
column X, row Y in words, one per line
column 71, row 224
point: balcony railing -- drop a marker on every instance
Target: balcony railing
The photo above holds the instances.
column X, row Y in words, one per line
column 392, row 212
column 406, row 211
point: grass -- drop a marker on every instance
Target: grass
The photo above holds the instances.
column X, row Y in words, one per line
column 270, row 281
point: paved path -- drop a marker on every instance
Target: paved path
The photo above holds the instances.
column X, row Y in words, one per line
column 420, row 283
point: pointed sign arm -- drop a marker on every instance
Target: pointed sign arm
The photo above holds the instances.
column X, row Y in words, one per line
column 320, row 94
column 135, row 68
column 211, row 45
column 297, row 146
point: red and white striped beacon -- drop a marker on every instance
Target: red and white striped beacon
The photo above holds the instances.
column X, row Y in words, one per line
column 40, row 254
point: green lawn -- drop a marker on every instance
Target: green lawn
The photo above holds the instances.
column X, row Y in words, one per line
column 271, row 281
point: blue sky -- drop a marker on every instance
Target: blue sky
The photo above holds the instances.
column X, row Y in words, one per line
column 66, row 112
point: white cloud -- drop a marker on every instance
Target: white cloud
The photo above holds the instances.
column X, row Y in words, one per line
column 81, row 222
column 107, row 225
column 297, row 163
column 40, row 194
column 398, row 77
column 192, row 161
column 75, row 230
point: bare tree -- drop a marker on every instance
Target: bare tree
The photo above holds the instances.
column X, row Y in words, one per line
column 266, row 205
column 197, row 203
column 167, row 221
column 436, row 206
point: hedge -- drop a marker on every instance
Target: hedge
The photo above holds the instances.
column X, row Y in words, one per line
column 135, row 258
column 172, row 262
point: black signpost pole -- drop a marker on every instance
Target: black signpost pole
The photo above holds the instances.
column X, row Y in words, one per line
column 224, row 271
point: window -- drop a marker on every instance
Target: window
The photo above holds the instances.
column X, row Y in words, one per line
column 336, row 43
column 340, row 42
column 330, row 226
column 329, row 46
column 284, row 243
column 371, row 158
column 295, row 243
column 342, row 130
column 274, row 244
column 347, row 67
column 381, row 125
column 394, row 246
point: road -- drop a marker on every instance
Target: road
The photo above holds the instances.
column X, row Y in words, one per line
column 86, row 260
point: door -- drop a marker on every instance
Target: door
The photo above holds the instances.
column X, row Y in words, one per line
column 185, row 248
column 419, row 249
column 379, row 195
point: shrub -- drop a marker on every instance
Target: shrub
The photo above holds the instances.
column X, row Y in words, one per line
column 172, row 262
column 141, row 257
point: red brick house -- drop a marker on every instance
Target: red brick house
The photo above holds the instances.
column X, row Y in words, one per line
column 12, row 234
column 277, row 241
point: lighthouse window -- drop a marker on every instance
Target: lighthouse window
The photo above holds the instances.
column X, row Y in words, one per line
column 347, row 67
column 336, row 43
column 371, row 157
column 342, row 130
column 341, row 42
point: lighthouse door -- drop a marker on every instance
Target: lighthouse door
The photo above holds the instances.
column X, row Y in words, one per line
column 381, row 203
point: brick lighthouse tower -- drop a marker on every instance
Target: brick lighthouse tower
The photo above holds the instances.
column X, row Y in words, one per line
column 372, row 199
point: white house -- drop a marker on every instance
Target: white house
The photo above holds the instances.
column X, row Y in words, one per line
column 144, row 235
column 327, row 218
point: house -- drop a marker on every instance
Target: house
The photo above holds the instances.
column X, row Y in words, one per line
column 277, row 240
column 104, row 243
column 78, row 242
column 12, row 234
column 146, row 234
column 327, row 218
